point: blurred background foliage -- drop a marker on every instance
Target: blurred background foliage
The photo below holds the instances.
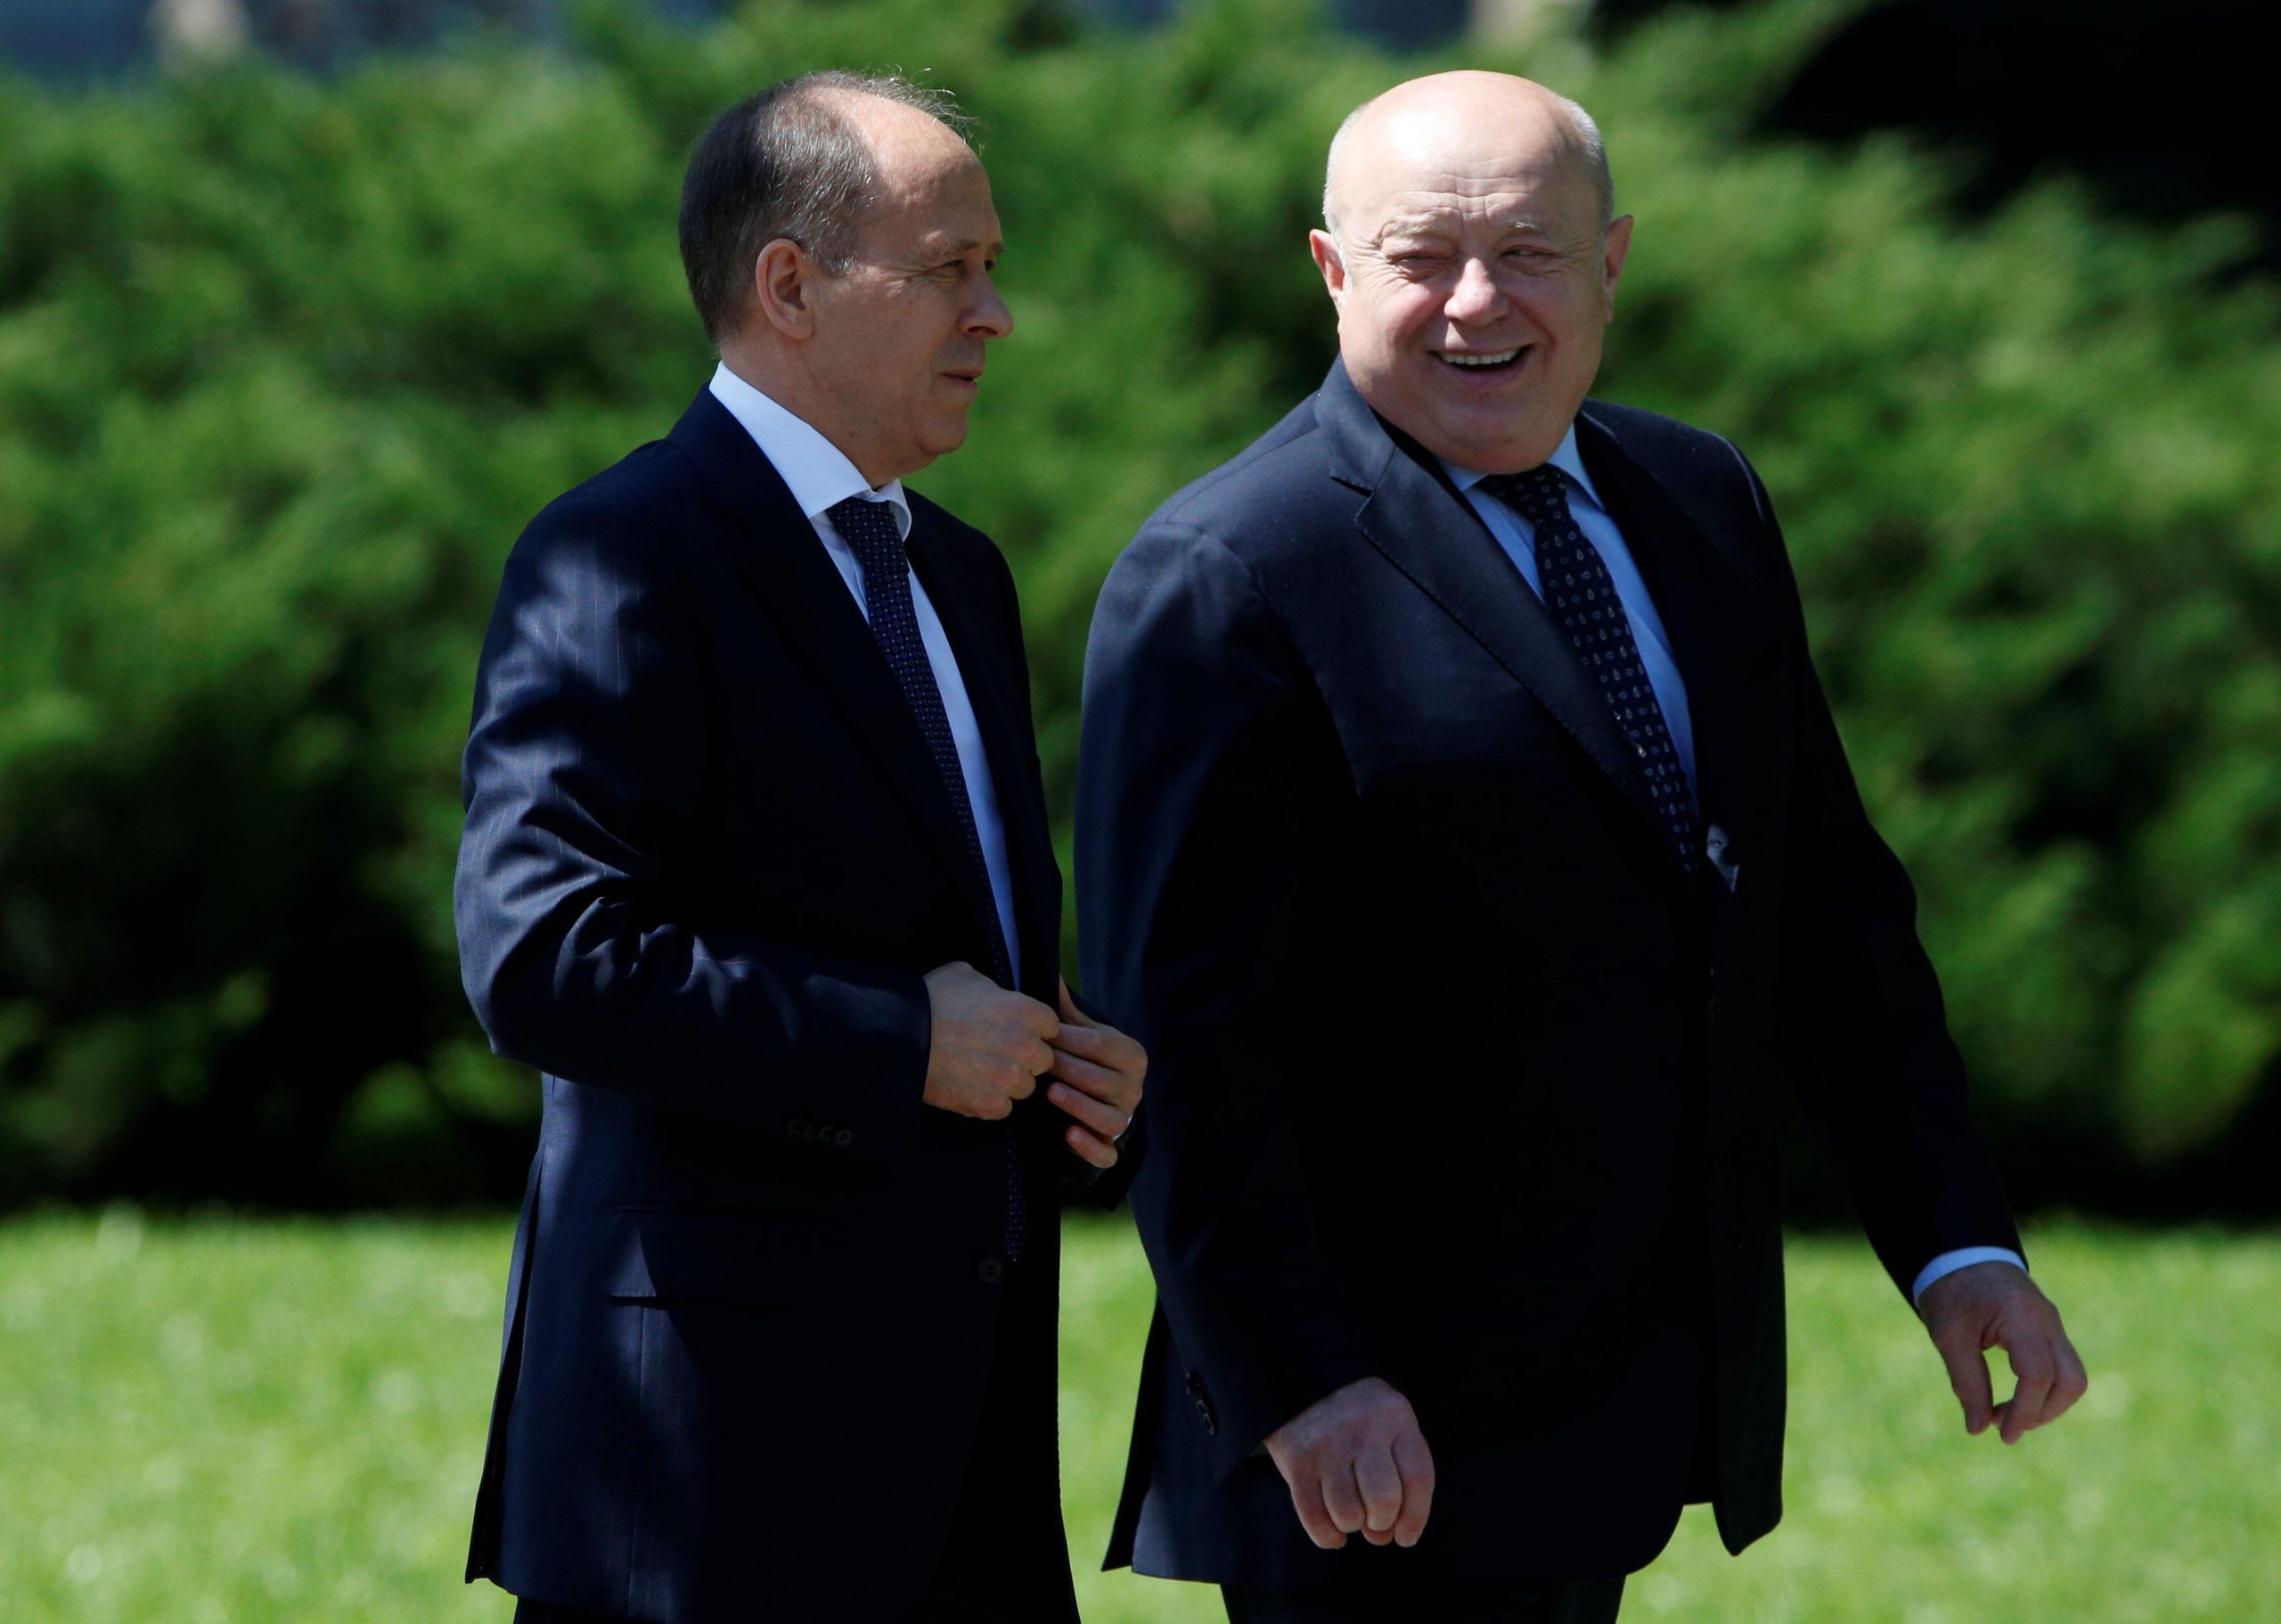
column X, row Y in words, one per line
column 285, row 365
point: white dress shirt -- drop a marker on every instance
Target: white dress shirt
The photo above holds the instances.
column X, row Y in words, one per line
column 820, row 475
column 1518, row 536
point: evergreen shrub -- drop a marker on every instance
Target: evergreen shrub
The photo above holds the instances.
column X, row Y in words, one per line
column 285, row 365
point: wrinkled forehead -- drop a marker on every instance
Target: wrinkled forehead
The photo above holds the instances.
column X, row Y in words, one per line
column 1428, row 168
column 932, row 195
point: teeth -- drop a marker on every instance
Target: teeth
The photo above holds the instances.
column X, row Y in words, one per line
column 1498, row 359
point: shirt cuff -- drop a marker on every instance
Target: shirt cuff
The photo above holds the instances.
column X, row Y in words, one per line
column 1949, row 1262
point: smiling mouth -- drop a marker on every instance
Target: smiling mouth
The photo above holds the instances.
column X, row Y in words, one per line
column 1486, row 361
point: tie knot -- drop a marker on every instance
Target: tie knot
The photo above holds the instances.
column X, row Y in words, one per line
column 870, row 530
column 1541, row 493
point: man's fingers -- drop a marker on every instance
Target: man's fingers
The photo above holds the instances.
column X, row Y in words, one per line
column 1341, row 1498
column 1100, row 1152
column 1103, row 1118
column 2070, row 1383
column 1375, row 1474
column 1968, row 1378
column 1307, row 1499
column 1096, row 1081
column 2023, row 1411
column 1415, row 1462
column 1102, row 1047
column 1120, row 1090
column 1071, row 1016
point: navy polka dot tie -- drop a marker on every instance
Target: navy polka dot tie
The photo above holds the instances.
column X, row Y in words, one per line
column 868, row 529
column 1582, row 599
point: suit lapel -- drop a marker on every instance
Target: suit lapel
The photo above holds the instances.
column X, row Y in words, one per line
column 1433, row 536
column 798, row 585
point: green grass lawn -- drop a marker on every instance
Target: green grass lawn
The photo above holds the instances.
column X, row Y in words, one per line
column 215, row 1422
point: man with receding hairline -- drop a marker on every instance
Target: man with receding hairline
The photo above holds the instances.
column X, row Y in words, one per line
column 757, row 872
column 1461, row 826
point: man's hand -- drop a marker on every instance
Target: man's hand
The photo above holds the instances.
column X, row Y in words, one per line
column 1995, row 1305
column 987, row 1045
column 1357, row 1462
column 1097, row 1071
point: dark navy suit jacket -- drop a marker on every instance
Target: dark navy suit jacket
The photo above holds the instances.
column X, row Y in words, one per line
column 707, row 859
column 1455, row 1079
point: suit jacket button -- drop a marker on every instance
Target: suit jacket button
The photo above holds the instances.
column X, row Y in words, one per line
column 1203, row 1403
column 989, row 1270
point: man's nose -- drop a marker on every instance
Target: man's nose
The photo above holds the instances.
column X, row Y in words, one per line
column 989, row 316
column 1477, row 297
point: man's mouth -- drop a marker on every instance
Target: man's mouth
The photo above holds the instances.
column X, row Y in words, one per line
column 1482, row 360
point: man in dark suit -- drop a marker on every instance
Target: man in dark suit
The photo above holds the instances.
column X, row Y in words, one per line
column 1461, row 826
column 751, row 793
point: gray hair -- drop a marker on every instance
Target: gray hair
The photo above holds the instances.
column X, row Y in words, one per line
column 786, row 162
column 1581, row 126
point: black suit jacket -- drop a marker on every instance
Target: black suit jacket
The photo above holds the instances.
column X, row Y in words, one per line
column 1455, row 1079
column 707, row 859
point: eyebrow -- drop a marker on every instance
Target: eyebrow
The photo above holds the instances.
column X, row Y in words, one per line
column 964, row 245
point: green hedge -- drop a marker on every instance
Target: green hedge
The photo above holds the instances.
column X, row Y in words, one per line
column 285, row 365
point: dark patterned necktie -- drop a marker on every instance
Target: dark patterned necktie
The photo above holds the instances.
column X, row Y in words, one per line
column 1583, row 599
column 868, row 529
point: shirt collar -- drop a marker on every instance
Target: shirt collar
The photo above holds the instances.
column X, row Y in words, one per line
column 816, row 472
column 1568, row 460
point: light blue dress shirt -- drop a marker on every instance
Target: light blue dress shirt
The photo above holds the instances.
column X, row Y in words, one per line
column 820, row 474
column 1518, row 536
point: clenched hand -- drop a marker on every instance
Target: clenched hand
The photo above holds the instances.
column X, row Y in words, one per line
column 1356, row 1462
column 987, row 1046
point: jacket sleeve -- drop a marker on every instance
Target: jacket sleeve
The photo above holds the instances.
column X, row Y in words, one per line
column 1195, row 824
column 584, row 945
column 1877, row 1078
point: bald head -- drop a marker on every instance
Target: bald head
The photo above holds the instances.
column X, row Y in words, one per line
column 1473, row 260
column 1494, row 103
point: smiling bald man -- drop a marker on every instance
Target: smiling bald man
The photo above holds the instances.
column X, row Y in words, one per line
column 1463, row 827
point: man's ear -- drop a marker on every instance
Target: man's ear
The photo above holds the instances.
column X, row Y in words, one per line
column 783, row 288
column 1613, row 246
column 1324, row 247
